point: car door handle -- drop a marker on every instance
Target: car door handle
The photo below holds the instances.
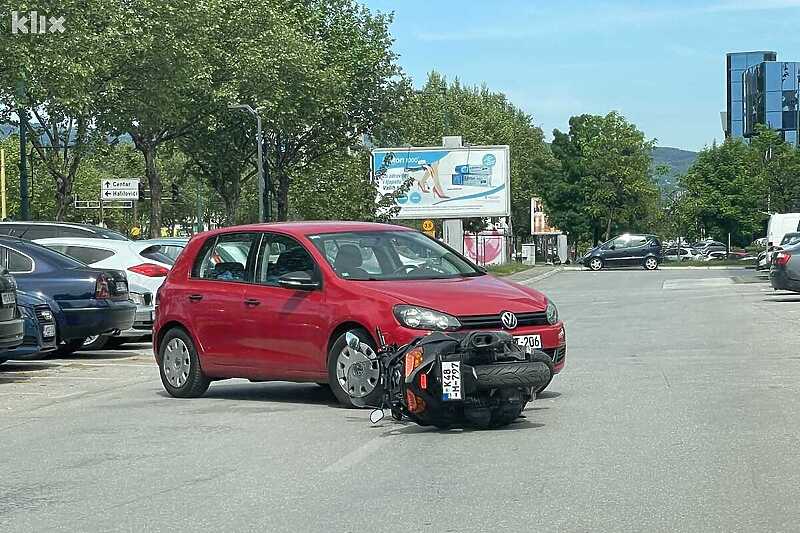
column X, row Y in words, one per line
column 252, row 302
column 195, row 297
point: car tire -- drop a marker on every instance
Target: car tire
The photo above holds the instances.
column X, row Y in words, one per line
column 69, row 347
column 95, row 342
column 595, row 263
column 336, row 361
column 179, row 366
column 650, row 263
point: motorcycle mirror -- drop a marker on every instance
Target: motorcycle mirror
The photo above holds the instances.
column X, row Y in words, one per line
column 376, row 416
column 352, row 340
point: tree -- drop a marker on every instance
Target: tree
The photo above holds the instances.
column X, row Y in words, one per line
column 606, row 175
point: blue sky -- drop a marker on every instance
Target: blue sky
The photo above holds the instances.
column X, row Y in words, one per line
column 661, row 64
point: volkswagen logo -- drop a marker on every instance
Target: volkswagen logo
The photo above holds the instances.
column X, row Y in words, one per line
column 508, row 319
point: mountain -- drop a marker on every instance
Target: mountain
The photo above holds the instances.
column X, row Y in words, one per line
column 678, row 160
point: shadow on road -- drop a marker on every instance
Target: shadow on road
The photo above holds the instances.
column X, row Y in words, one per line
column 410, row 428
column 298, row 393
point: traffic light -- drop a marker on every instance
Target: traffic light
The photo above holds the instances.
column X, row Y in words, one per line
column 141, row 191
column 175, row 192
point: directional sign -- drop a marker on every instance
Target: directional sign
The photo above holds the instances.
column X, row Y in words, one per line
column 110, row 184
column 120, row 194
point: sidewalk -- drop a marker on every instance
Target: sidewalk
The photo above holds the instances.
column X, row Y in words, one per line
column 535, row 273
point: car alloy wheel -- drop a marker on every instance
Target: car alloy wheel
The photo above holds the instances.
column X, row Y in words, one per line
column 651, row 263
column 596, row 263
column 177, row 362
column 357, row 373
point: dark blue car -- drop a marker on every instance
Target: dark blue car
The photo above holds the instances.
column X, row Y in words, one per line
column 90, row 301
column 36, row 310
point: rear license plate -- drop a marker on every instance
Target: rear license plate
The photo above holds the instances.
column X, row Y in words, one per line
column 122, row 286
column 528, row 343
column 9, row 298
column 49, row 330
column 451, row 380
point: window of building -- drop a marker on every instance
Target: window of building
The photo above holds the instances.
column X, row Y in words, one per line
column 736, row 128
column 738, row 61
column 774, row 101
column 775, row 120
column 736, row 91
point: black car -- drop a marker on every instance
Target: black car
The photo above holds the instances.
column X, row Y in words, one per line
column 90, row 301
column 625, row 250
column 47, row 230
column 12, row 327
column 40, row 327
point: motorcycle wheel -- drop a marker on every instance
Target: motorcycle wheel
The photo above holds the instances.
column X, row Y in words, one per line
column 336, row 358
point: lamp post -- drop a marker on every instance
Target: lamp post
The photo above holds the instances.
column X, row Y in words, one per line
column 23, row 169
column 263, row 191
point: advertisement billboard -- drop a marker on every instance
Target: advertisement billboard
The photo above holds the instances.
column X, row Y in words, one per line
column 463, row 182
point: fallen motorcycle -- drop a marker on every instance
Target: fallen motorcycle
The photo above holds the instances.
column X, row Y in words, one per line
column 481, row 379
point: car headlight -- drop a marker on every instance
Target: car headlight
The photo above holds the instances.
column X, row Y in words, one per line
column 552, row 313
column 415, row 317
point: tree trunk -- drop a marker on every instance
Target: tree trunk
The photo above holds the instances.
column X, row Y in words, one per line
column 608, row 227
column 231, row 202
column 154, row 180
column 283, row 196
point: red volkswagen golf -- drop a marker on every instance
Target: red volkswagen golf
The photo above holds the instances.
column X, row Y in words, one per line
column 274, row 301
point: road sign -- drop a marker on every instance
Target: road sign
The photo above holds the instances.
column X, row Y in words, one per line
column 429, row 227
column 120, row 194
column 109, row 184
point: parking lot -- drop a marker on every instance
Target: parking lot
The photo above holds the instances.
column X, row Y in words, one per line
column 677, row 411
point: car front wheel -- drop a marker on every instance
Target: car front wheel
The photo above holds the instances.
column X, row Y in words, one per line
column 595, row 263
column 651, row 263
column 179, row 366
column 352, row 374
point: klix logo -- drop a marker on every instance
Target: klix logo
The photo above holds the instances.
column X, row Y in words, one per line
column 34, row 23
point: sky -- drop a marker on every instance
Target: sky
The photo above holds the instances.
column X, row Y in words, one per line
column 659, row 63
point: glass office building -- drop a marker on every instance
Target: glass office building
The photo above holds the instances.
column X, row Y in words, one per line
column 770, row 97
column 737, row 63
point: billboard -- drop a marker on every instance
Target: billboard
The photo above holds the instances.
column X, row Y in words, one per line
column 462, row 182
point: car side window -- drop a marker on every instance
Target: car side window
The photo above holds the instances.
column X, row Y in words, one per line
column 635, row 242
column 279, row 255
column 15, row 262
column 40, row 232
column 86, row 254
column 226, row 258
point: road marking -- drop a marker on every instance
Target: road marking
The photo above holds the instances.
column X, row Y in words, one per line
column 693, row 283
column 356, row 456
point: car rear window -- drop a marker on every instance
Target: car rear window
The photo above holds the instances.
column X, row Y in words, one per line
column 87, row 255
column 158, row 253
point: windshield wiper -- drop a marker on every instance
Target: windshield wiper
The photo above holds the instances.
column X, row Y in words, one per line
column 472, row 274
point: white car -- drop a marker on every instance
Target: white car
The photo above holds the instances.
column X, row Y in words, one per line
column 144, row 264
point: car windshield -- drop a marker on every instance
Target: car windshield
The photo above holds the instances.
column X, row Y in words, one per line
column 391, row 255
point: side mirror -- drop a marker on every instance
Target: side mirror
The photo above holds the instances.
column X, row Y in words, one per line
column 300, row 280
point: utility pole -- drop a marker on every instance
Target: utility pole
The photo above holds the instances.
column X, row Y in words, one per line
column 23, row 167
column 263, row 190
column 3, row 183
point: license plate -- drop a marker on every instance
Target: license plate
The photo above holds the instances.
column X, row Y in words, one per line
column 9, row 298
column 122, row 286
column 528, row 343
column 451, row 380
column 49, row 330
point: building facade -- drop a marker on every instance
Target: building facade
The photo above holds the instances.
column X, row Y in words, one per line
column 770, row 91
column 736, row 64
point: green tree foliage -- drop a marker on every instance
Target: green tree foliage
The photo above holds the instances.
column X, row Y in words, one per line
column 481, row 117
column 605, row 183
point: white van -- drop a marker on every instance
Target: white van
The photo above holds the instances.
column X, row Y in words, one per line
column 779, row 225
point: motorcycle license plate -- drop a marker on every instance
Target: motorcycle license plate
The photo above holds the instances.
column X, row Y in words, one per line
column 451, row 380
column 49, row 330
column 9, row 298
column 528, row 343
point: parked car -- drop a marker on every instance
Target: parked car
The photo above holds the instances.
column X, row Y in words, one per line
column 11, row 324
column 761, row 241
column 39, row 339
column 673, row 253
column 790, row 239
column 282, row 312
column 784, row 272
column 91, row 300
column 625, row 250
column 170, row 247
column 145, row 267
column 712, row 246
column 715, row 256
column 46, row 230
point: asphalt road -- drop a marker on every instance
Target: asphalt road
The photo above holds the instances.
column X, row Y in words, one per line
column 677, row 411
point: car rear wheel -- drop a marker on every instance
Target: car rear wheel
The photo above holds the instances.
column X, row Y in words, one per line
column 95, row 342
column 364, row 373
column 651, row 263
column 179, row 366
column 595, row 263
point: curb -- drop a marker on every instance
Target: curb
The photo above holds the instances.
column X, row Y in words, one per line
column 542, row 276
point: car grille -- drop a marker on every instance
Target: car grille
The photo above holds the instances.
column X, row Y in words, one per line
column 40, row 314
column 494, row 322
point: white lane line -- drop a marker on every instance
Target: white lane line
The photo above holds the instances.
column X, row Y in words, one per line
column 356, row 456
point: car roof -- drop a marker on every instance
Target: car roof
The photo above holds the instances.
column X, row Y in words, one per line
column 312, row 227
column 97, row 229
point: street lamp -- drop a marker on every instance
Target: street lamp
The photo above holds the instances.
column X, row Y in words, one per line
column 263, row 206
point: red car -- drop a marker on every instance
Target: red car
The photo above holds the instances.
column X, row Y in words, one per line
column 273, row 302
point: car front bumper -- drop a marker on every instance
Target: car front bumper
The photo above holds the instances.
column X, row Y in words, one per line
column 12, row 333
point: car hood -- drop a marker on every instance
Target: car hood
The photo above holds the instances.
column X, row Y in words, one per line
column 481, row 295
